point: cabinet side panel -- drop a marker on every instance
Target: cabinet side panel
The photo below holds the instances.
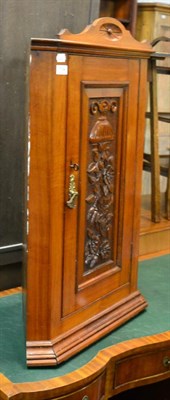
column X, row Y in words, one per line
column 38, row 266
column 59, row 120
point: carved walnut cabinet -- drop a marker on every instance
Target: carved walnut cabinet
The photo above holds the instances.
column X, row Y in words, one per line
column 87, row 106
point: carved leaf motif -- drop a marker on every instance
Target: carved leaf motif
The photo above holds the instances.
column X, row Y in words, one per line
column 92, row 235
column 95, row 154
column 110, row 187
column 104, row 156
column 92, row 179
column 91, row 198
column 96, row 189
column 105, row 202
column 93, row 167
column 105, row 223
column 105, row 190
column 110, row 159
column 105, row 249
column 104, row 146
column 93, row 215
column 109, row 216
column 92, row 250
column 91, row 260
column 100, row 164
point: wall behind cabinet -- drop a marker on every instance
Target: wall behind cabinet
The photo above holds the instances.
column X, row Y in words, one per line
column 21, row 20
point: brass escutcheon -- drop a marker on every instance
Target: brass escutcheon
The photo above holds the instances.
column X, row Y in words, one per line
column 72, row 192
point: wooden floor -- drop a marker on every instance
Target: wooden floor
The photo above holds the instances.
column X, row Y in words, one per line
column 154, row 237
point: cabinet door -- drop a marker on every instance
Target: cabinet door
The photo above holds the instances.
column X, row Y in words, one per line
column 100, row 175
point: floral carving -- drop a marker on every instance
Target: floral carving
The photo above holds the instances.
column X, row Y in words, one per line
column 100, row 204
column 103, row 106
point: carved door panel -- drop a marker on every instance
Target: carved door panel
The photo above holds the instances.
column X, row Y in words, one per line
column 101, row 127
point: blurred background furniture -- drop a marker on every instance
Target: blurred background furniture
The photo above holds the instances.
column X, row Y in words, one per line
column 157, row 164
column 153, row 20
column 123, row 10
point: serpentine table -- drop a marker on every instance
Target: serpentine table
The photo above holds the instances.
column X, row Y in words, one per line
column 115, row 370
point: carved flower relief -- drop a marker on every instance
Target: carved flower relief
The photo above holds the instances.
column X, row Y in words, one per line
column 104, row 223
column 103, row 106
column 95, row 249
column 105, row 249
column 92, row 249
column 99, row 216
column 100, row 171
column 108, row 174
column 101, row 151
column 101, row 221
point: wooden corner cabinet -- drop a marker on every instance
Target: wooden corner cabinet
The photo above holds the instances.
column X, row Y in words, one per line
column 87, row 109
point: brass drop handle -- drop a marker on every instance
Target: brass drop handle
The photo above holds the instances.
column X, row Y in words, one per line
column 72, row 192
column 166, row 362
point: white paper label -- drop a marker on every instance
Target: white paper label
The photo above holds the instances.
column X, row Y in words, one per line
column 62, row 69
column 61, row 57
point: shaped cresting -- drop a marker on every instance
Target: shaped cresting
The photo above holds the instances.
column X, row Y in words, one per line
column 105, row 32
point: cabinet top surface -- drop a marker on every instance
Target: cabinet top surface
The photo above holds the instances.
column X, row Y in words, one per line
column 105, row 36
